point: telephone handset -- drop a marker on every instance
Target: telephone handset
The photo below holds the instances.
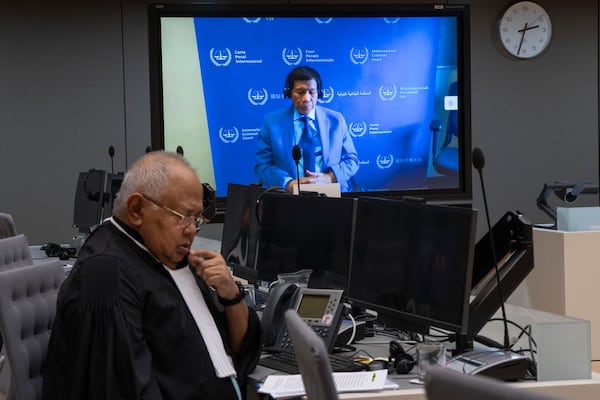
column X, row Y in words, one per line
column 321, row 309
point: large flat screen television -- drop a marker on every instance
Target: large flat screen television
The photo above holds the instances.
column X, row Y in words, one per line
column 398, row 73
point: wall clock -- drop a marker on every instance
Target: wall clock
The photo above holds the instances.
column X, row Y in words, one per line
column 525, row 29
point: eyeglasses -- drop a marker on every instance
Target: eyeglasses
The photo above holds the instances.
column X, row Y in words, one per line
column 184, row 221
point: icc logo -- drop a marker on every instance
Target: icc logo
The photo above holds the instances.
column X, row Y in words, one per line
column 323, row 21
column 251, row 20
column 258, row 97
column 328, row 95
column 385, row 161
column 220, row 57
column 387, row 93
column 357, row 129
column 291, row 56
column 229, row 135
column 359, row 56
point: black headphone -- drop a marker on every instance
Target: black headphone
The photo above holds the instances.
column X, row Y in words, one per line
column 56, row 250
column 209, row 201
column 401, row 361
column 302, row 74
column 259, row 202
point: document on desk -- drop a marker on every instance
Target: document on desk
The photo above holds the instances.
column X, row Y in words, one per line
column 288, row 386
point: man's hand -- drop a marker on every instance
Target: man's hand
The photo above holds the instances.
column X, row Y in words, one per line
column 312, row 177
column 211, row 267
column 320, row 177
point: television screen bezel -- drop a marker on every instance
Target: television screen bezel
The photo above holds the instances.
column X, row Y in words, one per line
column 461, row 195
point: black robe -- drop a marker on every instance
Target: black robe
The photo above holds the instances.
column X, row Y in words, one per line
column 123, row 331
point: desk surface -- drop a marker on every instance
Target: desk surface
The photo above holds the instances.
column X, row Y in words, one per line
column 581, row 389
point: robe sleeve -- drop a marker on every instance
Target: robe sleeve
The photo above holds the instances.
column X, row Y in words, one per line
column 99, row 338
column 247, row 358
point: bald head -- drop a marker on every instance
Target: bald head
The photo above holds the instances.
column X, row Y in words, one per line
column 153, row 174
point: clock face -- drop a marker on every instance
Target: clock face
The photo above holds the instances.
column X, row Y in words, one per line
column 525, row 29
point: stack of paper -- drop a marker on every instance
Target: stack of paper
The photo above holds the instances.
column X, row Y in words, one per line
column 288, row 386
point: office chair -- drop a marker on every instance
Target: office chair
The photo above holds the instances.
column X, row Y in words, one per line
column 14, row 252
column 7, row 226
column 313, row 359
column 444, row 152
column 27, row 309
column 445, row 384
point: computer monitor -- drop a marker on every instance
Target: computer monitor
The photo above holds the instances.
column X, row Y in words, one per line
column 239, row 242
column 298, row 232
column 89, row 195
column 412, row 263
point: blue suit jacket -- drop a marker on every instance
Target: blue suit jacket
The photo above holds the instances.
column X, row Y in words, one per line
column 274, row 165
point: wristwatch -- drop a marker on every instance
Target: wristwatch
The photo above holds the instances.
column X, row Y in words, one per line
column 232, row 302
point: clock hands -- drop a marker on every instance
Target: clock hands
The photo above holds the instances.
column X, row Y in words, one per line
column 522, row 31
column 537, row 19
column 527, row 28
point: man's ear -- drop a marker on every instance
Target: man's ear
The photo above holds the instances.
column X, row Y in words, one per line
column 135, row 209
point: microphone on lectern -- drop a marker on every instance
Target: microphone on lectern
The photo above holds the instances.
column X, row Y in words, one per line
column 478, row 163
column 296, row 155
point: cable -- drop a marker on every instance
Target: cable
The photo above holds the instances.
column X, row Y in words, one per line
column 353, row 335
column 522, row 330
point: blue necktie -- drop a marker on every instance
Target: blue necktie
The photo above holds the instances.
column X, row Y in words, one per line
column 308, row 147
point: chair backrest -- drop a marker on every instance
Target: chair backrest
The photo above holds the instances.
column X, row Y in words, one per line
column 7, row 226
column 445, row 384
column 14, row 252
column 27, row 310
column 313, row 359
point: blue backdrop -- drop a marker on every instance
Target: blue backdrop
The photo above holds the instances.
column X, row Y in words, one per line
column 380, row 73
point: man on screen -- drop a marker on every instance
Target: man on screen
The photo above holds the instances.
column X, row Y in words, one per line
column 327, row 153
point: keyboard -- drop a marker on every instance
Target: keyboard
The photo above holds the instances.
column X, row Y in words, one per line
column 286, row 362
column 260, row 297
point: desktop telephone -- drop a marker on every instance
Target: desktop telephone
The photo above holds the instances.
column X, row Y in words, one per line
column 321, row 309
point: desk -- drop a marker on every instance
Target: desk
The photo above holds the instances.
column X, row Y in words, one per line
column 577, row 389
column 587, row 389
column 558, row 365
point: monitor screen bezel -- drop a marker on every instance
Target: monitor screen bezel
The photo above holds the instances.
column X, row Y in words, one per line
column 462, row 194
column 305, row 232
column 413, row 321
